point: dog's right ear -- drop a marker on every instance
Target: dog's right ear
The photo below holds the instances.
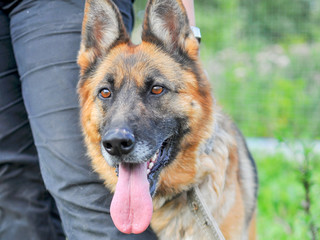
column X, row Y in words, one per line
column 102, row 29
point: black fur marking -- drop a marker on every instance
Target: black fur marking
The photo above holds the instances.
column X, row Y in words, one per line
column 254, row 169
column 171, row 148
column 89, row 39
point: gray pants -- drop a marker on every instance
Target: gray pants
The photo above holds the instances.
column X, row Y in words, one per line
column 39, row 127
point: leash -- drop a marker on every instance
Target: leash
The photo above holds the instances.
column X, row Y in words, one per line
column 203, row 215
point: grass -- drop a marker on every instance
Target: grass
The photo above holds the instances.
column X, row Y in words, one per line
column 281, row 200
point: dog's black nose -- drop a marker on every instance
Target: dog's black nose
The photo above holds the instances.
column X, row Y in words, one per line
column 118, row 141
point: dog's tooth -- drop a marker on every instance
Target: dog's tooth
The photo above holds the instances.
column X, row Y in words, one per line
column 151, row 165
column 153, row 159
column 148, row 171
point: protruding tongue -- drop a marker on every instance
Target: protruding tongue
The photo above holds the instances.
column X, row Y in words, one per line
column 131, row 207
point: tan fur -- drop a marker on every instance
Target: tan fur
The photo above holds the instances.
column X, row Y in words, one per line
column 212, row 155
column 252, row 228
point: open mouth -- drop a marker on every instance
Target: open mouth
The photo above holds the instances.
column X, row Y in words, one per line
column 159, row 160
column 131, row 207
column 152, row 162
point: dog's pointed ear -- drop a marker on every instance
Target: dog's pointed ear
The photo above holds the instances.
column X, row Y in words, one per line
column 166, row 23
column 102, row 28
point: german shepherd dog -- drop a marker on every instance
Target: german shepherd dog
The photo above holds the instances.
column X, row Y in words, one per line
column 153, row 130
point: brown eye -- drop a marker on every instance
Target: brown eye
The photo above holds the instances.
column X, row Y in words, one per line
column 156, row 90
column 105, row 93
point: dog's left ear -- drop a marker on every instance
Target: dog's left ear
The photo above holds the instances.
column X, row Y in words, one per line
column 102, row 29
column 166, row 24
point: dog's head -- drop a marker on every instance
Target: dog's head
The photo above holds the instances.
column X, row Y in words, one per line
column 145, row 109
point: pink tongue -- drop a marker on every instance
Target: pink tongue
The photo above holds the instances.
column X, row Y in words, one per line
column 131, row 207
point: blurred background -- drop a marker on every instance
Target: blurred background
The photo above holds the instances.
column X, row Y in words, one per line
column 263, row 59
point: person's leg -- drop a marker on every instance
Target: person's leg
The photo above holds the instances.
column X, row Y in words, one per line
column 27, row 211
column 46, row 39
column 126, row 10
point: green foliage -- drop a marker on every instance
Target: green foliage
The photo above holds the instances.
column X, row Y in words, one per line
column 281, row 199
column 269, row 92
column 282, row 20
column 232, row 22
column 218, row 21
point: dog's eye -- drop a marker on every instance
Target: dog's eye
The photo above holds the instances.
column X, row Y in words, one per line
column 156, row 90
column 104, row 93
